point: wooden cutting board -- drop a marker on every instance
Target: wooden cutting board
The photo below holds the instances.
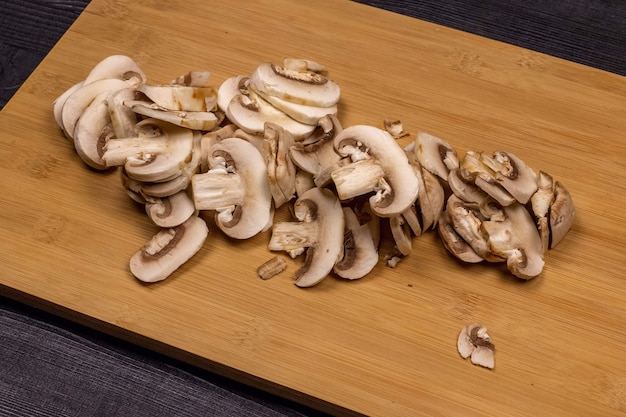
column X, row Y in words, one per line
column 382, row 346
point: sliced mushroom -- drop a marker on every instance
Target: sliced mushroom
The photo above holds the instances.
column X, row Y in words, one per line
column 78, row 101
column 168, row 250
column 454, row 243
column 319, row 232
column 435, row 155
column 401, row 234
column 117, row 66
column 304, row 182
column 475, row 343
column 462, row 185
column 93, row 130
column 59, row 102
column 123, row 118
column 513, row 174
column 236, row 187
column 562, row 214
column 302, row 87
column 281, row 171
column 395, row 128
column 540, row 203
column 196, row 120
column 170, row 211
column 157, row 154
column 376, row 158
column 360, row 253
column 484, row 178
column 233, row 86
column 181, row 97
column 317, row 155
column 193, row 79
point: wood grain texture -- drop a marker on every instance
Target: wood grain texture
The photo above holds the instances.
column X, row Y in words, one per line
column 383, row 346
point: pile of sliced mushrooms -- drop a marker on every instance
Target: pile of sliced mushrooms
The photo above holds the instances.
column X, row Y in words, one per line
column 271, row 138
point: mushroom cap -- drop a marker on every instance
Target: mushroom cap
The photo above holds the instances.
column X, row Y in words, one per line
column 117, row 66
column 170, row 211
column 399, row 174
column 322, row 207
column 254, row 214
column 435, row 155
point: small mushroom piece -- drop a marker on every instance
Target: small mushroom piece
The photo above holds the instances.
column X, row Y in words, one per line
column 117, row 66
column 562, row 214
column 236, row 187
column 168, row 250
column 435, row 155
column 195, row 120
column 271, row 268
column 360, row 253
column 193, row 79
column 317, row 155
column 319, row 232
column 431, row 195
column 475, row 343
column 156, row 154
column 302, row 87
column 401, row 234
column 540, row 203
column 281, row 171
column 513, row 174
column 181, row 97
column 93, row 130
column 395, row 128
column 304, row 182
column 454, row 243
column 170, row 211
column 484, row 178
column 380, row 165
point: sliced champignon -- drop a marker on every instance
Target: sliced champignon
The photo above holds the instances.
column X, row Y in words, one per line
column 59, row 102
column 462, row 185
column 181, row 97
column 317, row 154
column 484, row 178
column 454, row 243
column 78, row 101
column 360, row 251
column 304, row 182
column 302, row 113
column 431, row 195
column 540, row 203
column 516, row 238
column 271, row 268
column 281, row 171
column 378, row 164
column 193, row 79
column 395, row 128
column 123, row 118
column 156, row 154
column 435, row 155
column 475, row 343
column 168, row 250
column 196, row 120
column 319, row 232
column 236, row 187
column 401, row 234
column 170, row 211
column 251, row 112
column 117, row 66
column 513, row 174
column 300, row 64
column 562, row 214
column 233, row 86
column 93, row 130
column 302, row 87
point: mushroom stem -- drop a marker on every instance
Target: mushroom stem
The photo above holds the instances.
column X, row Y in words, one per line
column 358, row 178
column 119, row 150
column 216, row 190
column 290, row 236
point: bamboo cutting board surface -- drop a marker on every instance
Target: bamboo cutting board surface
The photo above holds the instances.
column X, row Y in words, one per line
column 382, row 346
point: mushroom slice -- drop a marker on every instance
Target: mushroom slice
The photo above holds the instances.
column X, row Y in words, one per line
column 378, row 159
column 431, row 199
column 401, row 234
column 319, row 231
column 92, row 132
column 317, row 156
column 462, row 185
column 170, row 211
column 281, row 171
column 395, row 128
column 196, row 120
column 468, row 226
column 251, row 112
column 211, row 138
column 181, row 97
column 302, row 113
column 540, row 203
column 513, row 174
column 233, row 86
column 360, row 253
column 236, row 187
column 516, row 238
column 123, row 119
column 60, row 101
column 302, row 87
column 271, row 268
column 454, row 243
column 300, row 64
column 475, row 343
column 484, row 178
column 435, row 155
column 117, row 66
column 168, row 250
column 78, row 101
column 562, row 214
column 157, row 154
column 193, row 79
column 304, row 182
